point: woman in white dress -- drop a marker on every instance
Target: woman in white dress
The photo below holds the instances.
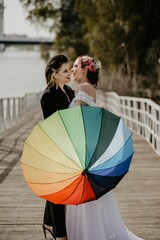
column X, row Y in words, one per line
column 99, row 219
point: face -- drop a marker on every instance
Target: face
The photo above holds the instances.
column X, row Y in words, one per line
column 77, row 72
column 63, row 75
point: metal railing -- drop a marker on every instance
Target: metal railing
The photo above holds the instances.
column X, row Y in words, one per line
column 12, row 110
column 141, row 115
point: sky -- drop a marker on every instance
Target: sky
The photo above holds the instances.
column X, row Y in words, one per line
column 15, row 21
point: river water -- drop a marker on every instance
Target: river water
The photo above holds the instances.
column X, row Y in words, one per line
column 21, row 72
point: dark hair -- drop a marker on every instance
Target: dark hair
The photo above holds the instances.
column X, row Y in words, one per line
column 54, row 64
column 93, row 77
column 93, row 71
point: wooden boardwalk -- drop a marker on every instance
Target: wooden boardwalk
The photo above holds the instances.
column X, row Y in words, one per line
column 21, row 212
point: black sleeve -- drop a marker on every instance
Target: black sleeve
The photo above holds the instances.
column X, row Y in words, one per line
column 48, row 108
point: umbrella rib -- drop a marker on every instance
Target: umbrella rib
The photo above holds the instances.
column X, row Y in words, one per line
column 85, row 136
column 83, row 188
column 73, row 190
column 115, row 153
column 42, row 170
column 96, row 171
column 71, row 140
column 97, row 140
column 59, row 147
column 49, row 158
column 54, row 182
column 121, row 147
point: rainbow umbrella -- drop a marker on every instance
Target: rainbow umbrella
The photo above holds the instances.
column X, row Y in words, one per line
column 77, row 155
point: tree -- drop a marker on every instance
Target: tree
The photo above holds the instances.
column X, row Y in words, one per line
column 123, row 34
column 71, row 30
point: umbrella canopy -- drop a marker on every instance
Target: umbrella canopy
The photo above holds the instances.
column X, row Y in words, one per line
column 77, row 155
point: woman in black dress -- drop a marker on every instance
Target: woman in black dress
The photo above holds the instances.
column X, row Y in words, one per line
column 56, row 96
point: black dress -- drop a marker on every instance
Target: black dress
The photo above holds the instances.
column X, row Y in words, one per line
column 52, row 100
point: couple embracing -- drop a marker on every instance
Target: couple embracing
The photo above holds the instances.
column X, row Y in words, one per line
column 99, row 219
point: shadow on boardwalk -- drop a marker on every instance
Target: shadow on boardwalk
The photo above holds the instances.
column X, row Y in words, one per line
column 21, row 212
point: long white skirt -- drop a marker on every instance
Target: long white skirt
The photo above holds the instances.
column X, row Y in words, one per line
column 96, row 220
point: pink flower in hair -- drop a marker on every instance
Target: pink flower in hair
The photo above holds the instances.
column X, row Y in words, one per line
column 89, row 63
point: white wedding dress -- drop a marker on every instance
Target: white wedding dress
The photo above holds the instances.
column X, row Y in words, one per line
column 99, row 219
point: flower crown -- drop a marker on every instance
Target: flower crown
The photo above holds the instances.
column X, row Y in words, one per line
column 90, row 63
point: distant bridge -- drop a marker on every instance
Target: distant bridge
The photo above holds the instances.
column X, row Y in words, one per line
column 28, row 41
column 13, row 40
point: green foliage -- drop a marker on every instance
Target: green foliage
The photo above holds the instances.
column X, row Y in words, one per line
column 71, row 32
column 123, row 34
column 40, row 11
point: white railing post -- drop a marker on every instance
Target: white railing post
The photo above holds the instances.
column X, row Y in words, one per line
column 1, row 116
column 7, row 114
column 14, row 111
